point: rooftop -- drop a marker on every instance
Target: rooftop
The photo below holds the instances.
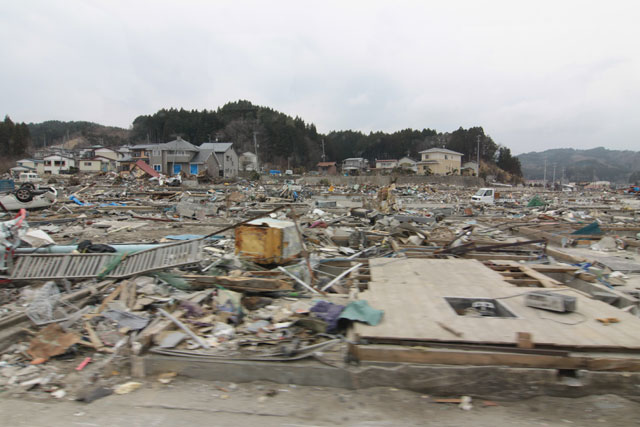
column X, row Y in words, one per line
column 218, row 147
column 179, row 144
column 441, row 150
column 148, row 169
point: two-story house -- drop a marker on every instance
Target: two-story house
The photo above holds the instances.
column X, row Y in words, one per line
column 174, row 157
column 440, row 161
column 56, row 164
column 354, row 165
column 141, row 152
column 227, row 158
column 96, row 164
column 29, row 164
column 107, row 153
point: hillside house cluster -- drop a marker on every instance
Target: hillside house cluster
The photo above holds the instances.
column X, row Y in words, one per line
column 218, row 159
column 178, row 156
column 435, row 161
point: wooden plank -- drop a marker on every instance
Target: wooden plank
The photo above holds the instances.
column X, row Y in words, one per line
column 546, row 281
column 528, row 282
column 111, row 297
column 512, row 274
column 397, row 354
column 243, row 283
column 492, row 256
column 93, row 337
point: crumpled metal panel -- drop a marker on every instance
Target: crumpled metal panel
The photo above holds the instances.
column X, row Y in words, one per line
column 84, row 266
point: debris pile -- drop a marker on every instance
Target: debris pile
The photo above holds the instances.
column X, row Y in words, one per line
column 126, row 268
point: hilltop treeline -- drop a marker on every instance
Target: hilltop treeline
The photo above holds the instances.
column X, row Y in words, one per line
column 14, row 138
column 282, row 139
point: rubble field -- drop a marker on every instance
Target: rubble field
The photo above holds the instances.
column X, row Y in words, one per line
column 117, row 271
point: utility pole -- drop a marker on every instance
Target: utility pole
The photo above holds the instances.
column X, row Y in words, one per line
column 255, row 147
column 554, row 176
column 478, row 171
column 323, row 156
column 545, row 173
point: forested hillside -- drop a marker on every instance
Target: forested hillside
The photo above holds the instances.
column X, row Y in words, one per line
column 284, row 140
column 281, row 140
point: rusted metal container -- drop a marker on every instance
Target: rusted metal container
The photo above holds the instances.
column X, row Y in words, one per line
column 268, row 241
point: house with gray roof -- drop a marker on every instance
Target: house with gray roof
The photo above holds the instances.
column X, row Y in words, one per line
column 226, row 155
column 179, row 155
column 173, row 157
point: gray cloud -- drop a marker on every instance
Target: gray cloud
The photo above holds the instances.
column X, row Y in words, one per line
column 536, row 76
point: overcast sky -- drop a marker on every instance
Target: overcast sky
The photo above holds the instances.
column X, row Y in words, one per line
column 534, row 74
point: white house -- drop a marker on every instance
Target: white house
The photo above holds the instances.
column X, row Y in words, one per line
column 248, row 161
column 97, row 164
column 354, row 165
column 55, row 164
column 408, row 163
column 27, row 163
column 108, row 153
column 386, row 164
column 473, row 166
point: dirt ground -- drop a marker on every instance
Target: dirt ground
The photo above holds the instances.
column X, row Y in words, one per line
column 193, row 402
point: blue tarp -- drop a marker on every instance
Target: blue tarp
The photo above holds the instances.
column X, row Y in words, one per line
column 77, row 201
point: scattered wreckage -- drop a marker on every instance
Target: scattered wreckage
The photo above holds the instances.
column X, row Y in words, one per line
column 121, row 272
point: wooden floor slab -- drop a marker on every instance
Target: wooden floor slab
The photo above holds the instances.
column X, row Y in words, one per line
column 412, row 294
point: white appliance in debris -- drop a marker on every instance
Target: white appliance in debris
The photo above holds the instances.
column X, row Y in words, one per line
column 550, row 301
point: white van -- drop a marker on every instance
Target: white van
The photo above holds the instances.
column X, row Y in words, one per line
column 29, row 177
column 489, row 196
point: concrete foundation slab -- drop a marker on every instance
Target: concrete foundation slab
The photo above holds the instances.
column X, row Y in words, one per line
column 493, row 382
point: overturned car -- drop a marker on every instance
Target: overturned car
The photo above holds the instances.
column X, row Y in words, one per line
column 28, row 196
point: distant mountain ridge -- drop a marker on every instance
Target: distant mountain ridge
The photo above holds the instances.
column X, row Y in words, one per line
column 596, row 164
column 55, row 132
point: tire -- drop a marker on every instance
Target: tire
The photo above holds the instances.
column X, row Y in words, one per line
column 24, row 195
column 28, row 185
